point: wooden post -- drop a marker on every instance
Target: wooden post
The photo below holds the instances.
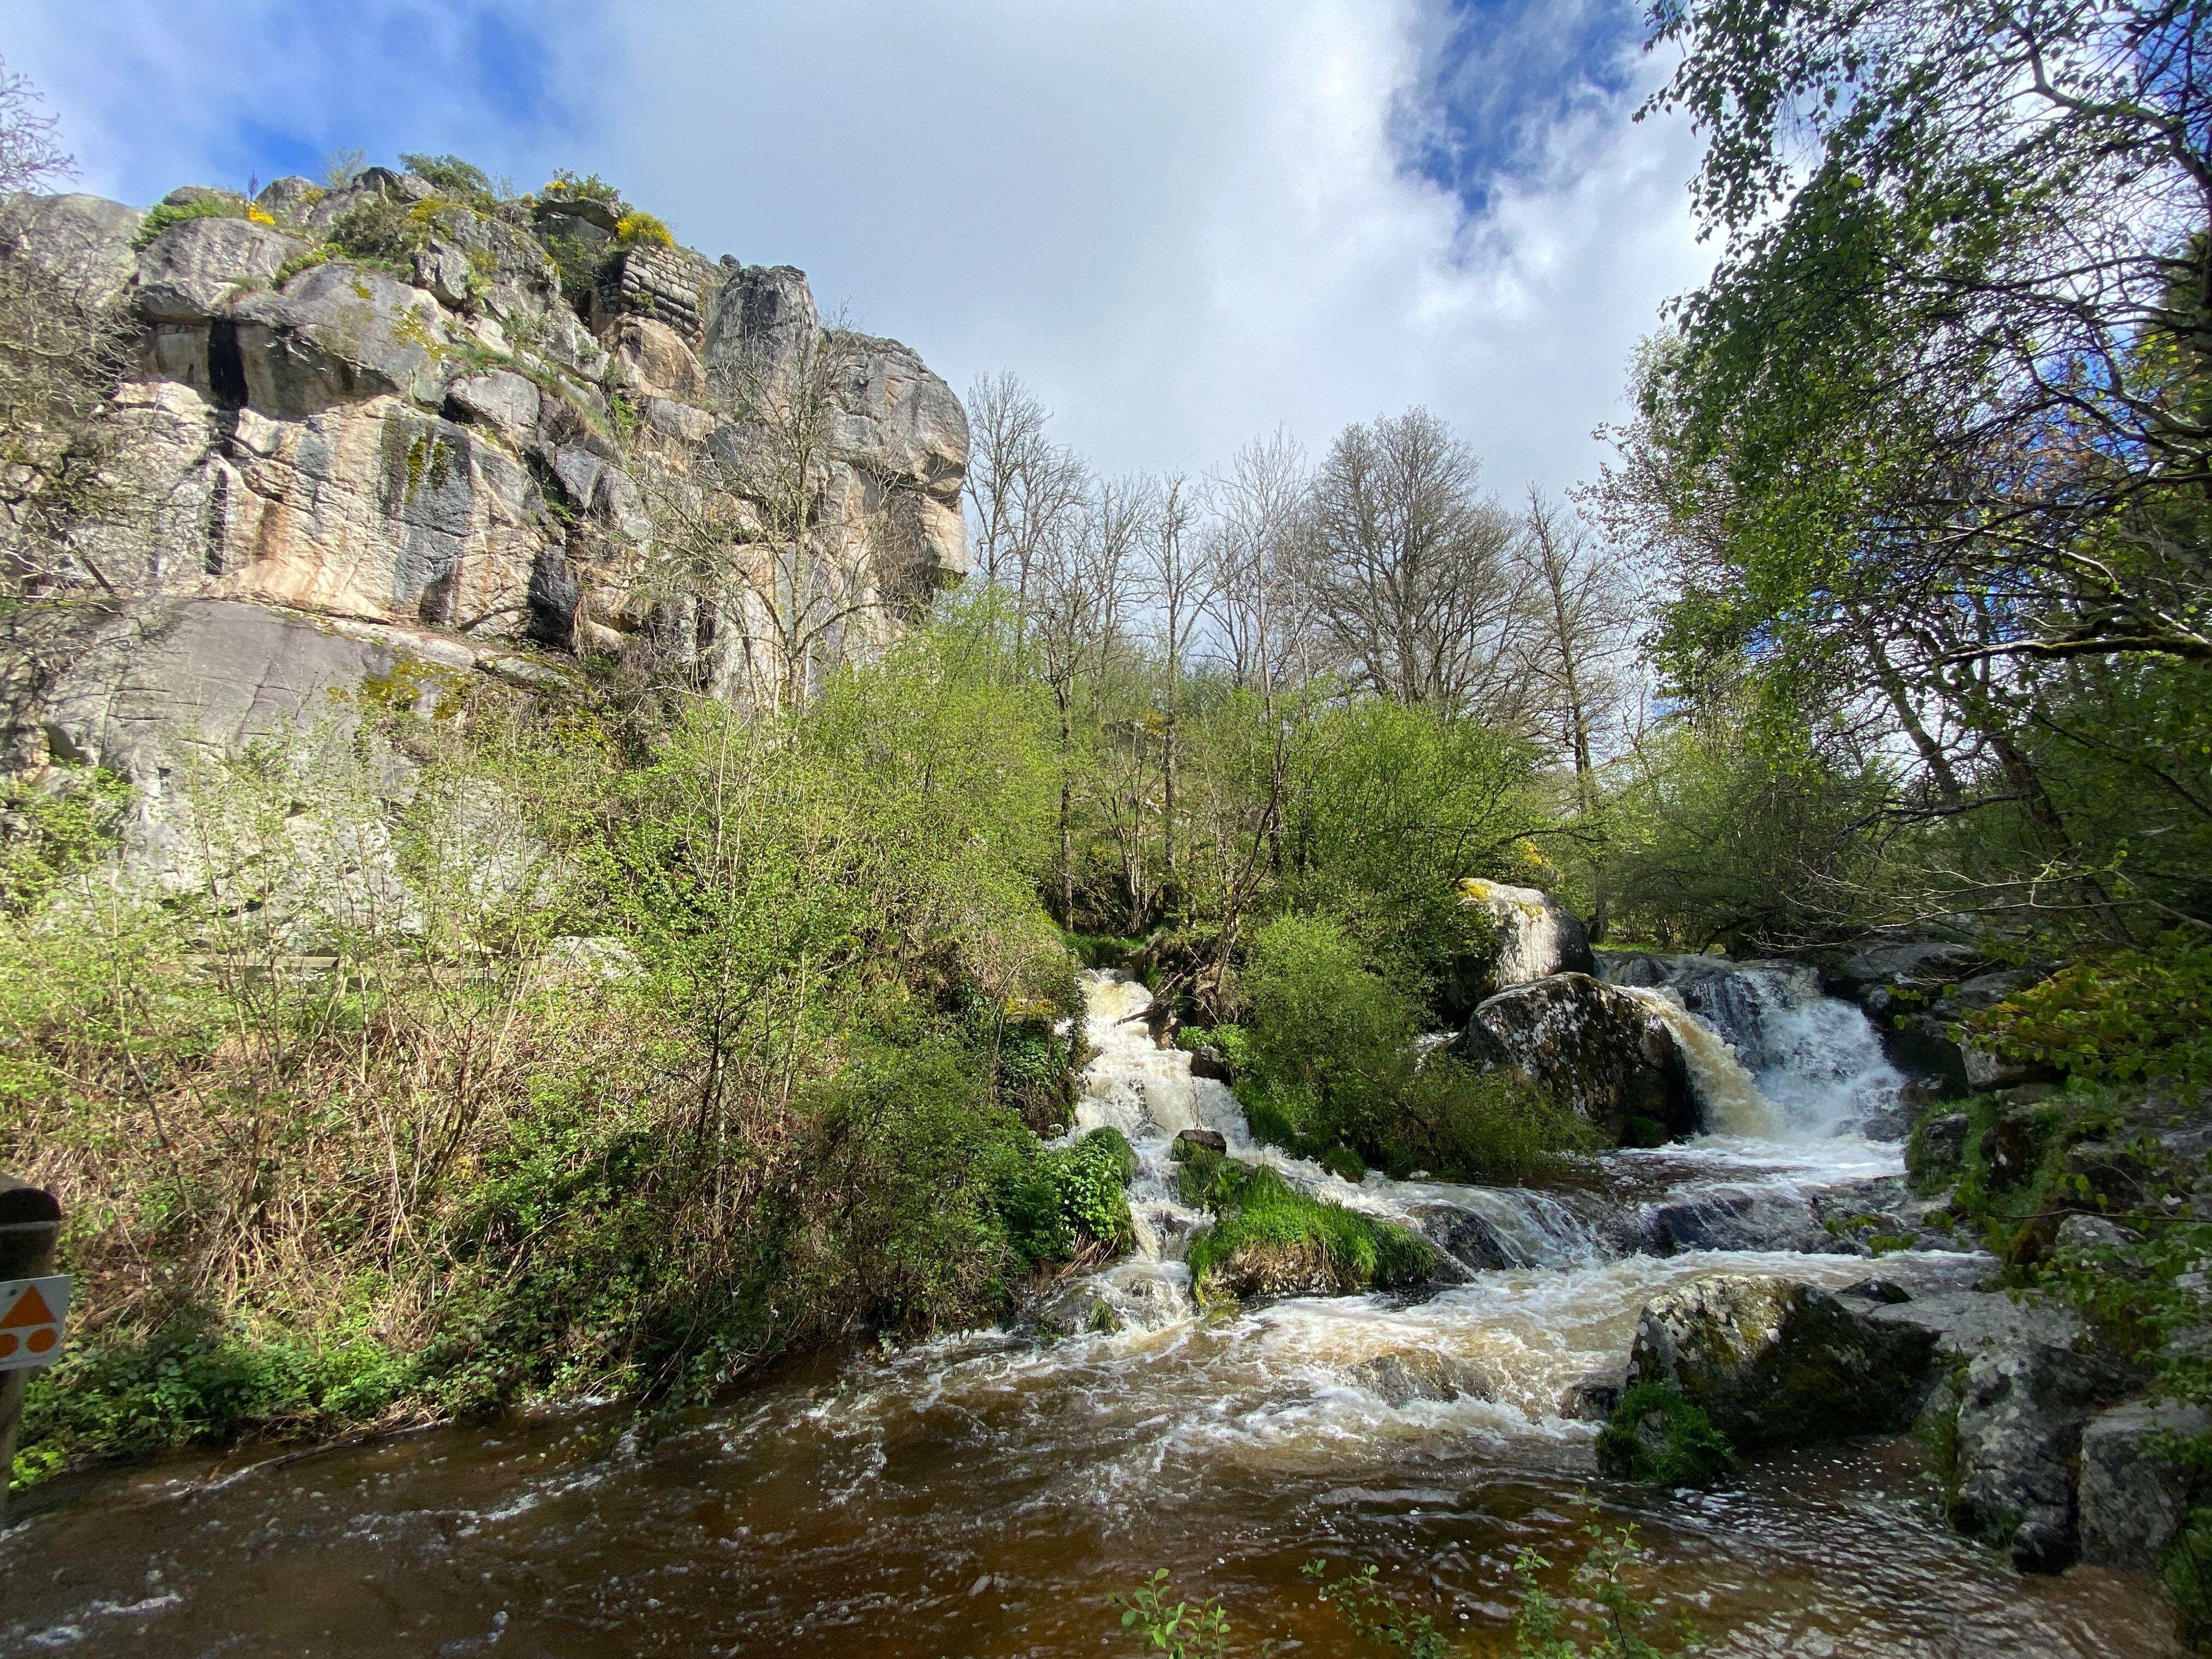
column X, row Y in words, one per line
column 30, row 1221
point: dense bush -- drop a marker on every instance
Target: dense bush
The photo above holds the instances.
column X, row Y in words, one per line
column 2129, row 1016
column 484, row 1162
column 1329, row 1061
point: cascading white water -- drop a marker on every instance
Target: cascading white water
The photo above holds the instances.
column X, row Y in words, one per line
column 1816, row 1061
column 1819, row 1058
column 1149, row 1094
column 1733, row 1103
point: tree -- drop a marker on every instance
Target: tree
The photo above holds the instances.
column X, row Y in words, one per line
column 1928, row 452
column 1180, row 578
column 746, row 528
column 1407, row 568
column 1022, row 487
column 62, row 352
column 1971, row 344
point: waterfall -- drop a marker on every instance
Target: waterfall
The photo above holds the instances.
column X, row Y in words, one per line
column 1819, row 1058
column 1733, row 1103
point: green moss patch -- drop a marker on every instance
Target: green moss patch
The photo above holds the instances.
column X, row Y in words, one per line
column 1274, row 1240
column 1656, row 1437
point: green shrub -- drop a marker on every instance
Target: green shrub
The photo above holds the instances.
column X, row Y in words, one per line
column 1329, row 1060
column 381, row 231
column 194, row 1378
column 1657, row 1437
column 2132, row 1015
column 1466, row 1125
column 163, row 214
column 1033, row 1075
column 455, row 179
column 1269, row 1220
column 637, row 226
column 2187, row 1570
column 1088, row 1178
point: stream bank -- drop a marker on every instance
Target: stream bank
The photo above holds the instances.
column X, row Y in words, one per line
column 986, row 1494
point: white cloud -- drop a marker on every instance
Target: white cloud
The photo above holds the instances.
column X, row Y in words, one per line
column 153, row 94
column 1183, row 224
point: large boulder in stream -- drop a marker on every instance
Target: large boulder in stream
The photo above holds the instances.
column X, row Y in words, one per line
column 1774, row 1363
column 1536, row 937
column 1608, row 1055
column 2015, row 1385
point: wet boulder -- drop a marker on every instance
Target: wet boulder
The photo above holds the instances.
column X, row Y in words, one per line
column 1594, row 1398
column 2135, row 1494
column 1597, row 1050
column 1212, row 1140
column 1773, row 1363
column 2021, row 1414
column 2013, row 1385
column 1468, row 1238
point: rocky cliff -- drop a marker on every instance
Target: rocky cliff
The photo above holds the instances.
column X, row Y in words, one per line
column 404, row 420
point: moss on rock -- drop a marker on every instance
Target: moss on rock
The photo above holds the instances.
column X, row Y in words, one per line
column 1657, row 1437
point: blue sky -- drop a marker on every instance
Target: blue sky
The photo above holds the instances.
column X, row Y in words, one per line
column 1185, row 223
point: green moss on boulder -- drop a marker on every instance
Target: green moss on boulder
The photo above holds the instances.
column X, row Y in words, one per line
column 1657, row 1437
column 1774, row 1363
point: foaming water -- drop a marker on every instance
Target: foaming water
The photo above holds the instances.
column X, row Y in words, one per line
column 987, row 1493
column 1732, row 1100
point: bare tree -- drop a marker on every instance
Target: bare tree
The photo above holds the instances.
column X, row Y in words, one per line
column 748, row 528
column 1576, row 647
column 31, row 153
column 1260, row 509
column 1022, row 487
column 1409, row 568
column 1179, row 578
column 63, row 350
column 1079, row 591
column 1575, row 642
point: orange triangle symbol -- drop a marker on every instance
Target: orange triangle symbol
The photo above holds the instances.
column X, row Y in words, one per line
column 30, row 1309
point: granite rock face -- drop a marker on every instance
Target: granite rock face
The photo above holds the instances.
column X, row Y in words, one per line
column 2013, row 1387
column 2135, row 1493
column 1592, row 1046
column 462, row 438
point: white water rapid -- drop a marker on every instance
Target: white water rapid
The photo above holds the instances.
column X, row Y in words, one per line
column 989, row 1493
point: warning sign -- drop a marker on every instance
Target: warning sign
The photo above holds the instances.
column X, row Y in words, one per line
column 31, row 1314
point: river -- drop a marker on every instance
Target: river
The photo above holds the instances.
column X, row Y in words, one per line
column 987, row 1494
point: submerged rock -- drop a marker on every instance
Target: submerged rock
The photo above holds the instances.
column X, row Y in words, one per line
column 1471, row 1240
column 1596, row 1049
column 1401, row 1378
column 1775, row 1363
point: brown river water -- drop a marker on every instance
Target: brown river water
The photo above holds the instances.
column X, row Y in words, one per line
column 988, row 1495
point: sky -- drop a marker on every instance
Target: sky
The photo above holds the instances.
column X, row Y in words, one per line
column 1183, row 223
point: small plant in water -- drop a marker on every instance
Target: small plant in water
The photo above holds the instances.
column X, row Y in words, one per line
column 1613, row 1630
column 1603, row 1611
column 1375, row 1616
column 1181, row 1631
